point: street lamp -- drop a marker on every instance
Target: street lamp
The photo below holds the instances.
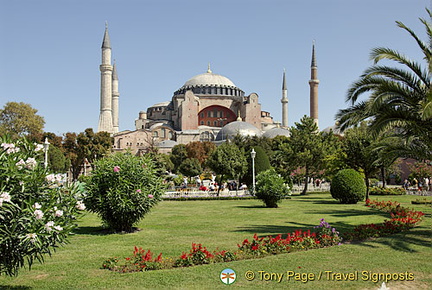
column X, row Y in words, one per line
column 253, row 154
column 46, row 147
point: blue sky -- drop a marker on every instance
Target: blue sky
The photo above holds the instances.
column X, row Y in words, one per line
column 50, row 51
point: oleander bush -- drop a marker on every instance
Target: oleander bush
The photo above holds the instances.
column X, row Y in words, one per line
column 38, row 210
column 348, row 186
column 122, row 190
column 270, row 188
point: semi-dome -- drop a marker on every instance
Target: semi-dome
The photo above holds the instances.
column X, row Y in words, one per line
column 167, row 144
column 276, row 132
column 241, row 128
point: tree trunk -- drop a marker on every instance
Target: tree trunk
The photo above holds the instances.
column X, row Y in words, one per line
column 306, row 182
column 219, row 185
column 367, row 186
column 383, row 176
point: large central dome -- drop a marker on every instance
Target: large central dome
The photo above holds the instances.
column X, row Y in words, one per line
column 210, row 84
column 209, row 79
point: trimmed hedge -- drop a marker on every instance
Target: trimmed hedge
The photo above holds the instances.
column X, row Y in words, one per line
column 387, row 191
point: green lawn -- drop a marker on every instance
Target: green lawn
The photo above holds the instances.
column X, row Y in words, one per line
column 173, row 225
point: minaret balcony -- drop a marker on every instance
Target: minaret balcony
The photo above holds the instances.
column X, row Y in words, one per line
column 106, row 67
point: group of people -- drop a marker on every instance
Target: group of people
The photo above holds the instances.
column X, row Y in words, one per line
column 420, row 185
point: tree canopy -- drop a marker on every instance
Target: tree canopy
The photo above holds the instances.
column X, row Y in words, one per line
column 19, row 120
column 399, row 97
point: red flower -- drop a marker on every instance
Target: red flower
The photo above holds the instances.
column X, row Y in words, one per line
column 255, row 247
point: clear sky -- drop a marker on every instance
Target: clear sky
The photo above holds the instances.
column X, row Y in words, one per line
column 50, row 51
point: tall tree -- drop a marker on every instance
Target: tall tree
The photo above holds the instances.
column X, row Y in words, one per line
column 73, row 153
column 307, row 148
column 178, row 155
column 358, row 146
column 190, row 167
column 200, row 150
column 400, row 97
column 94, row 146
column 227, row 161
column 20, row 119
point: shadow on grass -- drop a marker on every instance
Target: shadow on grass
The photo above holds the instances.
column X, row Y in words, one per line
column 94, row 231
column 251, row 206
column 351, row 212
column 275, row 230
column 404, row 241
column 15, row 287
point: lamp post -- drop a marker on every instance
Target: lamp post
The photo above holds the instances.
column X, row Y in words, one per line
column 46, row 147
column 253, row 154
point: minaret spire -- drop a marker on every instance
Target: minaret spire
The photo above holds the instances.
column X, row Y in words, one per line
column 208, row 69
column 313, row 83
column 313, row 62
column 105, row 116
column 106, row 40
column 284, row 102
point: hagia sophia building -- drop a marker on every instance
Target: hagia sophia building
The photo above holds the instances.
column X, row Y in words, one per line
column 208, row 107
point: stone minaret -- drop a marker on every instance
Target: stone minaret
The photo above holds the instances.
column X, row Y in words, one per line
column 115, row 100
column 284, row 102
column 105, row 116
column 313, row 83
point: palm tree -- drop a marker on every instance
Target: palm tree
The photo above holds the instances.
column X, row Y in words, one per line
column 400, row 97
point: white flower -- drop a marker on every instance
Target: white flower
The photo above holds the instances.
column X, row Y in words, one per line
column 39, row 214
column 20, row 164
column 37, row 206
column 1, row 201
column 31, row 163
column 5, row 196
column 58, row 213
column 10, row 148
column 80, row 205
column 39, row 147
column 49, row 225
column 32, row 237
column 50, row 177
column 58, row 228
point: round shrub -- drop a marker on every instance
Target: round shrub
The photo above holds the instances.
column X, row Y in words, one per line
column 37, row 210
column 270, row 188
column 348, row 186
column 122, row 190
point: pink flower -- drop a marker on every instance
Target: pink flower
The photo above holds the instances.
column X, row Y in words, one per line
column 138, row 190
column 116, row 168
column 150, row 196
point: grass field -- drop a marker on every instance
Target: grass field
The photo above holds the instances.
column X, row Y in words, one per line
column 172, row 226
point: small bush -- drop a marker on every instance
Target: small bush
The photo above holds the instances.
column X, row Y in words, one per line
column 270, row 188
column 122, row 189
column 348, row 186
column 387, row 191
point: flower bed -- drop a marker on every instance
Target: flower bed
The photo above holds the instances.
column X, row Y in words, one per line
column 142, row 260
column 402, row 219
